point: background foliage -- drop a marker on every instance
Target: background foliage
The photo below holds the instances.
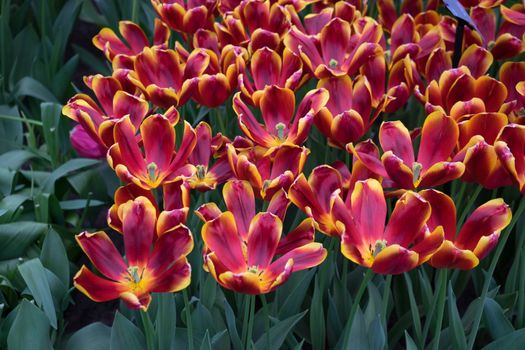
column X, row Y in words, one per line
column 48, row 195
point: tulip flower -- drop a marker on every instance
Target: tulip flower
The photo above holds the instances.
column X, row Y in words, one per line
column 206, row 178
column 165, row 77
column 176, row 202
column 267, row 172
column 241, row 246
column 277, row 106
column 160, row 163
column 268, row 68
column 135, row 41
column 512, row 74
column 186, row 16
column 405, row 243
column 96, row 121
column 439, row 137
column 162, row 269
column 337, row 51
column 476, row 238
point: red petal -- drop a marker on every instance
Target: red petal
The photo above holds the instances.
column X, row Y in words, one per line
column 138, row 224
column 102, row 253
column 96, row 288
column 263, row 237
column 300, row 236
column 394, row 136
column 394, row 260
column 240, row 200
column 439, row 137
column 158, row 137
column 277, row 107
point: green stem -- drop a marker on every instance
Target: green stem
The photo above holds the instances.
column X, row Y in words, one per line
column 469, row 205
column 148, row 329
column 266, row 321
column 386, row 295
column 442, row 289
column 189, row 325
column 348, row 327
column 521, row 291
column 503, row 239
column 246, row 318
column 250, row 322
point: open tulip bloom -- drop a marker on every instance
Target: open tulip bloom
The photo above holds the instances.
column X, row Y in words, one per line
column 144, row 270
column 241, row 246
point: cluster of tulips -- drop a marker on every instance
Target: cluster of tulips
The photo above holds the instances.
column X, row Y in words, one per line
column 287, row 67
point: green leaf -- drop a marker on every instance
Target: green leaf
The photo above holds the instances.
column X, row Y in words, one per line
column 512, row 341
column 455, row 325
column 125, row 335
column 15, row 238
column 279, row 332
column 166, row 321
column 206, row 344
column 30, row 87
column 93, row 336
column 232, row 327
column 34, row 274
column 358, row 335
column 51, row 114
column 410, row 344
column 317, row 319
column 15, row 159
column 54, row 256
column 76, row 204
column 497, row 324
column 30, row 329
column 295, row 291
column 376, row 334
column 66, row 169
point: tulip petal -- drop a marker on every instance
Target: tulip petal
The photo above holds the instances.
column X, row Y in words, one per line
column 369, row 210
column 304, row 257
column 443, row 212
column 246, row 282
column 410, row 215
column 300, row 236
column 158, row 137
column 394, row 260
column 448, row 256
column 277, row 107
column 394, row 136
column 239, row 198
column 487, row 219
column 96, row 288
column 220, row 236
column 263, row 237
column 138, row 224
column 176, row 278
column 439, row 136
column 103, row 254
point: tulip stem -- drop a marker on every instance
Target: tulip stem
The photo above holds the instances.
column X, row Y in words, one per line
column 355, row 304
column 148, row 329
column 458, row 42
column 189, row 326
column 469, row 205
column 251, row 302
column 488, row 277
column 442, row 289
column 266, row 321
column 135, row 11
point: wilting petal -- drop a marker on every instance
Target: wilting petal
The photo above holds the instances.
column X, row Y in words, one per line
column 220, row 236
column 103, row 254
column 263, row 237
column 138, row 224
column 394, row 260
column 96, row 288
column 489, row 218
column 438, row 139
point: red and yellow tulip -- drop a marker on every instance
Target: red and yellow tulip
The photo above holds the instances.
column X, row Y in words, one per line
column 403, row 244
column 160, row 163
column 241, row 246
column 161, row 269
column 476, row 238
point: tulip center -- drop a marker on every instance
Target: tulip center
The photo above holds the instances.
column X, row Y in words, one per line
column 134, row 274
column 280, row 130
column 416, row 171
column 253, row 269
column 201, row 171
column 333, row 63
column 152, row 171
column 379, row 246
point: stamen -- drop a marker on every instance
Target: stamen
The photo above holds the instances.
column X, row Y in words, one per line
column 416, row 171
column 152, row 171
column 379, row 246
column 333, row 63
column 280, row 130
column 201, row 171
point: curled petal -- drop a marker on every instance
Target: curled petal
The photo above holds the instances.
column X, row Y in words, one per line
column 449, row 256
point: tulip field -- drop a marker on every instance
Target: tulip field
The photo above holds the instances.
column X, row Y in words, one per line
column 262, row 174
